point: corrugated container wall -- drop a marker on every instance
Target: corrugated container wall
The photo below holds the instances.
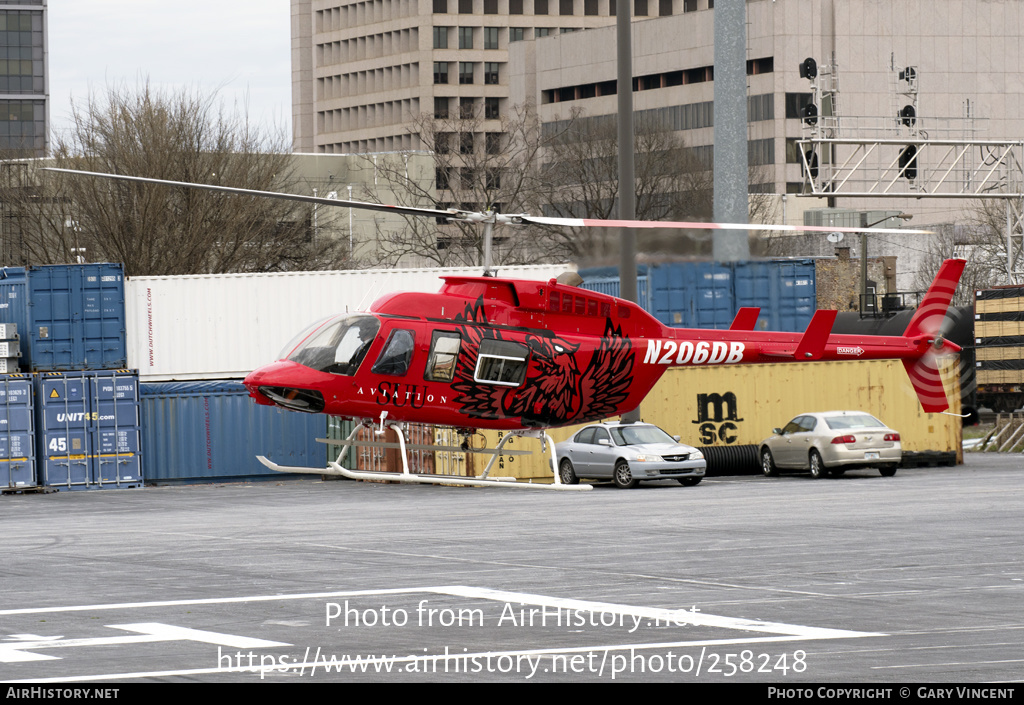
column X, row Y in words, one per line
column 17, row 438
column 738, row 405
column 224, row 326
column 201, row 431
column 87, row 430
column 708, row 294
column 69, row 316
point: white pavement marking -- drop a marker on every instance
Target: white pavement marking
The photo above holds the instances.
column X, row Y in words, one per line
column 151, row 631
column 20, row 651
column 653, row 614
column 671, row 616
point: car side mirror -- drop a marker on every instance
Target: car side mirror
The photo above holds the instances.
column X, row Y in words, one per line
column 777, row 431
column 676, row 438
column 604, row 442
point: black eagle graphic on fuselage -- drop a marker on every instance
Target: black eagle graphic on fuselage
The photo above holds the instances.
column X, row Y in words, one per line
column 555, row 392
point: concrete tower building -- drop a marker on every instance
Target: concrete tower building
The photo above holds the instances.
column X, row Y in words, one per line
column 363, row 69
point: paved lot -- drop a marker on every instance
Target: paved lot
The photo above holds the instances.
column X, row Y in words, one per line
column 915, row 578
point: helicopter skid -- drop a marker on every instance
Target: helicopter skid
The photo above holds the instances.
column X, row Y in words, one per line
column 336, row 470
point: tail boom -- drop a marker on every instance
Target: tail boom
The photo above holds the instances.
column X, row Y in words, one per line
column 917, row 348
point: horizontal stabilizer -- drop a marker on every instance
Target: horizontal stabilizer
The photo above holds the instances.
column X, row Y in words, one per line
column 812, row 344
column 746, row 318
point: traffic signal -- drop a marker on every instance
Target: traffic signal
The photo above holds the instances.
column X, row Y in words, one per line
column 811, row 160
column 907, row 116
column 808, row 68
column 809, row 114
column 908, row 162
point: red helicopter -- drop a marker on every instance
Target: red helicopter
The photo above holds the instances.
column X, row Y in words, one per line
column 525, row 356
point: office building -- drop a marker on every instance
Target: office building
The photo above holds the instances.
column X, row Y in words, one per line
column 363, row 70
column 24, row 89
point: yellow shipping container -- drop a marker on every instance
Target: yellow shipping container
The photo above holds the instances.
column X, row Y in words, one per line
column 739, row 405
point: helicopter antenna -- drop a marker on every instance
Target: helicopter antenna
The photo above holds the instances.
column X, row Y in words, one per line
column 488, row 232
column 373, row 292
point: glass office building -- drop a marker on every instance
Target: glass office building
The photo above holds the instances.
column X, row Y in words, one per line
column 24, row 92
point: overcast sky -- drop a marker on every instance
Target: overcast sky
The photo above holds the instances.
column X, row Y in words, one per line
column 240, row 48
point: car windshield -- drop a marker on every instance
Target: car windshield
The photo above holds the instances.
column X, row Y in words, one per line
column 840, row 423
column 337, row 346
column 638, row 435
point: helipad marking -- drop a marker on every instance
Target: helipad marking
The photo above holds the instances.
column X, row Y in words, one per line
column 663, row 615
column 22, row 649
column 654, row 614
column 151, row 631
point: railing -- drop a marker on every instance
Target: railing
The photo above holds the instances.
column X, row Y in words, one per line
column 1007, row 435
column 887, row 305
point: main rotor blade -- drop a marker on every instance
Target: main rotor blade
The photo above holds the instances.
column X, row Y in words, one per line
column 684, row 225
column 336, row 202
column 470, row 216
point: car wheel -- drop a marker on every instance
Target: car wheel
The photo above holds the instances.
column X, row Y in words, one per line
column 690, row 481
column 566, row 473
column 888, row 471
column 768, row 463
column 818, row 469
column 623, row 476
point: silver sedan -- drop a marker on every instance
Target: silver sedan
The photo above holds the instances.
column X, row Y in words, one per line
column 832, row 442
column 627, row 453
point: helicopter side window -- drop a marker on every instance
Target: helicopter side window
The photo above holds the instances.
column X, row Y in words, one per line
column 501, row 362
column 444, row 353
column 338, row 347
column 394, row 359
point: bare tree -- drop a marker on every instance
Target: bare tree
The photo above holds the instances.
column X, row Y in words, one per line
column 481, row 163
column 981, row 240
column 566, row 168
column 673, row 181
column 154, row 229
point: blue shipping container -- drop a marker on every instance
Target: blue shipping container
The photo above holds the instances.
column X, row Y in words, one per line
column 87, row 430
column 17, row 442
column 204, row 431
column 708, row 294
column 69, row 316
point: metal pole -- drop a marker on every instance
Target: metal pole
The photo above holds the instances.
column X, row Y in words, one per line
column 864, row 256
column 627, row 179
column 863, row 264
column 731, row 201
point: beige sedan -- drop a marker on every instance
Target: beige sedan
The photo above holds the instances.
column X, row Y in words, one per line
column 831, row 442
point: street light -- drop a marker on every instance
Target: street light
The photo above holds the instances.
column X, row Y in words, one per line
column 864, row 253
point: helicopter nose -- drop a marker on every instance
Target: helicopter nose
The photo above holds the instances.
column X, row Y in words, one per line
column 283, row 384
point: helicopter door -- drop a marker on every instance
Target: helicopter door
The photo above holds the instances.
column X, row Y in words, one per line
column 396, row 356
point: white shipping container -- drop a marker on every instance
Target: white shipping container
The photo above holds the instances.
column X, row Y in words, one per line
column 223, row 326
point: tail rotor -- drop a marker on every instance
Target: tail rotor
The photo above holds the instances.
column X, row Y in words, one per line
column 928, row 330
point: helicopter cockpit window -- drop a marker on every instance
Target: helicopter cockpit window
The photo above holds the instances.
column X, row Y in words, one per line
column 444, row 353
column 394, row 359
column 501, row 362
column 338, row 347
